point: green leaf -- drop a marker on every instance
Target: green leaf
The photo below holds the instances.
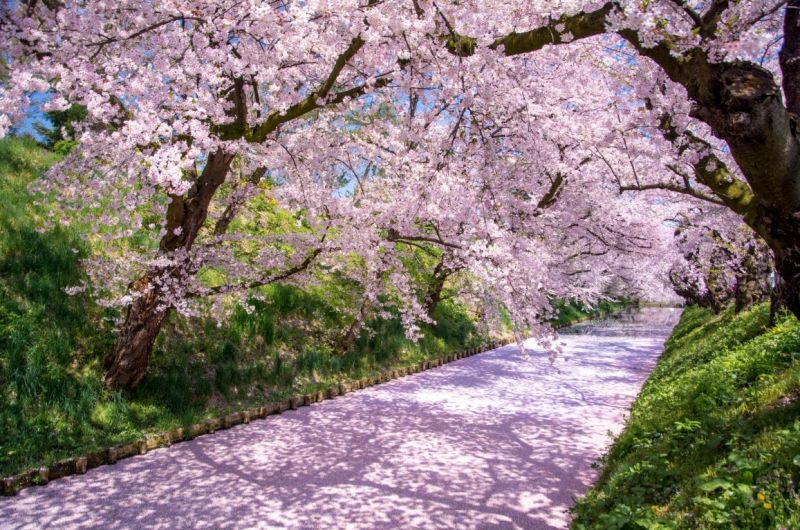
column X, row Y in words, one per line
column 796, row 460
column 715, row 484
column 745, row 489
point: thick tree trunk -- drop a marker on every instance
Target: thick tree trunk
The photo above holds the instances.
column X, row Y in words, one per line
column 790, row 56
column 434, row 294
column 743, row 105
column 747, row 285
column 752, row 282
column 719, row 293
column 127, row 364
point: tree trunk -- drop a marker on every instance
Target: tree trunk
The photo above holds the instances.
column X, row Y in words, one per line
column 746, row 285
column 434, row 294
column 784, row 240
column 789, row 56
column 775, row 299
column 787, row 228
column 354, row 331
column 127, row 364
column 718, row 291
column 752, row 282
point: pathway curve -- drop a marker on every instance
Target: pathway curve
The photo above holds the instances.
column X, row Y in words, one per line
column 491, row 441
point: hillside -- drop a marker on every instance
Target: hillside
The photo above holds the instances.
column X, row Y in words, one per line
column 713, row 439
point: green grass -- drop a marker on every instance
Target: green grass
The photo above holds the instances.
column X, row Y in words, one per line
column 48, row 340
column 571, row 312
column 52, row 402
column 713, row 440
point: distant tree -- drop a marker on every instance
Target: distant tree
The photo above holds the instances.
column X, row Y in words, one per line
column 61, row 127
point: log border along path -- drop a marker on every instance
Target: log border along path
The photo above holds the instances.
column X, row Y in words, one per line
column 39, row 476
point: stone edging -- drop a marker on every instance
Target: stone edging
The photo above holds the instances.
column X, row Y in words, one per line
column 79, row 465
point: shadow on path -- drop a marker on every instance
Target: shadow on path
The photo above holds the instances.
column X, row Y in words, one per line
column 491, row 441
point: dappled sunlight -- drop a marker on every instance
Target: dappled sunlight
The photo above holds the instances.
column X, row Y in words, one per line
column 493, row 440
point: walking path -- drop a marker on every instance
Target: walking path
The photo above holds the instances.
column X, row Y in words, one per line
column 491, row 441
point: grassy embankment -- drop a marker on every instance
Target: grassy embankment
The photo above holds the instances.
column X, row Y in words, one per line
column 52, row 402
column 713, row 439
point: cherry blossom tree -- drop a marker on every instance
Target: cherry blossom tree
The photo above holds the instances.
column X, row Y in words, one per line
column 462, row 191
column 713, row 266
column 714, row 85
column 373, row 127
column 176, row 94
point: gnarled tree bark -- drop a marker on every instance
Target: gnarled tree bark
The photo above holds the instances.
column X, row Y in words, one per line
column 752, row 281
column 441, row 273
column 354, row 331
column 127, row 364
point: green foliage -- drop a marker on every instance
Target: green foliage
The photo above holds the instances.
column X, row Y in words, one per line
column 52, row 402
column 61, row 121
column 569, row 312
column 384, row 339
column 714, row 437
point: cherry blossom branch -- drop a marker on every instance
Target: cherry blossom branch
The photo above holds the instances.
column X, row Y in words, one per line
column 710, row 170
column 393, row 235
column 578, row 26
column 752, row 92
column 712, row 17
column 691, row 13
column 108, row 40
column 151, row 27
column 291, row 271
column 549, row 198
column 232, row 208
column 672, row 187
column 315, row 100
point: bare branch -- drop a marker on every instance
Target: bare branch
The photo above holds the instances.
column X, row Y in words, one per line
column 688, row 11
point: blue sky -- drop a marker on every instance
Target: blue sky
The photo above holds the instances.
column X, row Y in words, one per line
column 33, row 116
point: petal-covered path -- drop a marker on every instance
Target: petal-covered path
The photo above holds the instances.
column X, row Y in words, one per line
column 491, row 441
